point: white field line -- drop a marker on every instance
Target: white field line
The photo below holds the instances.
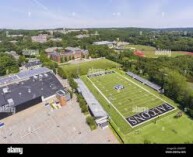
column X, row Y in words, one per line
column 145, row 89
column 108, row 101
column 141, row 88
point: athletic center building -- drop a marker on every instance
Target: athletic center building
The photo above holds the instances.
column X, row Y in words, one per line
column 28, row 88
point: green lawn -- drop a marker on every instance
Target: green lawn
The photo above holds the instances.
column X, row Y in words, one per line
column 142, row 47
column 149, row 51
column 83, row 68
column 166, row 130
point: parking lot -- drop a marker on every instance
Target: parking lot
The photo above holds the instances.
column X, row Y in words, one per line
column 41, row 124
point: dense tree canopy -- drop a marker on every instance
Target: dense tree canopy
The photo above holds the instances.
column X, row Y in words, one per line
column 8, row 64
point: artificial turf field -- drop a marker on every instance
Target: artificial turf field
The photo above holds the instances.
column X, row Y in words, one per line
column 125, row 100
column 167, row 129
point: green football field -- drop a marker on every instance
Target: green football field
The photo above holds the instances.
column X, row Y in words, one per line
column 166, row 130
column 127, row 100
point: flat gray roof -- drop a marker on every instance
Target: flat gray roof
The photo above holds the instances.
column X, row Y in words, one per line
column 22, row 75
column 45, row 85
column 146, row 82
column 93, row 104
column 103, row 42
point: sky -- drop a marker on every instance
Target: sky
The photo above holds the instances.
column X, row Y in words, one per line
column 42, row 14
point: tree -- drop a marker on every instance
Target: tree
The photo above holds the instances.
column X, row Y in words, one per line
column 175, row 86
column 22, row 60
column 66, row 58
column 72, row 83
column 84, row 109
column 8, row 64
column 61, row 60
column 47, row 62
column 91, row 122
column 61, row 73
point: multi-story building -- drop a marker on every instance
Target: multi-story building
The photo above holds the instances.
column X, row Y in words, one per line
column 41, row 38
column 68, row 54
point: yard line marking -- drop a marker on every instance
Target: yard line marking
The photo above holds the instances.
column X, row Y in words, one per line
column 109, row 101
column 144, row 89
column 135, row 87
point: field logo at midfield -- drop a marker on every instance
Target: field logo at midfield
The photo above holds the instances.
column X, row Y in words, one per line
column 149, row 114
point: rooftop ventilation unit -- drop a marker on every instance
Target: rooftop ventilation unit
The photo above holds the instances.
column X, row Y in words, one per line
column 35, row 77
column 46, row 75
column 10, row 102
column 5, row 90
column 29, row 90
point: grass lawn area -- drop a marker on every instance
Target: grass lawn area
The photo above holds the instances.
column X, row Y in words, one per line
column 83, row 68
column 149, row 51
column 142, row 47
column 166, row 130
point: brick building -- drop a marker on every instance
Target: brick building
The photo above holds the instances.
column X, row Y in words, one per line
column 68, row 54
